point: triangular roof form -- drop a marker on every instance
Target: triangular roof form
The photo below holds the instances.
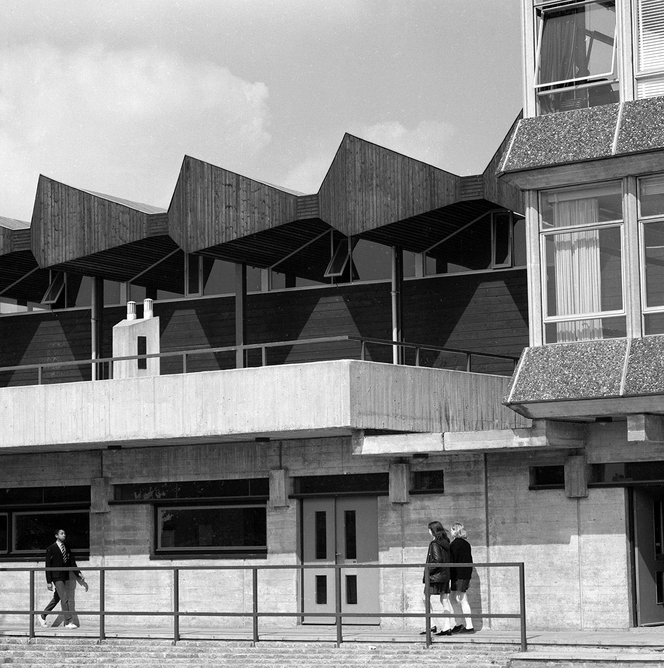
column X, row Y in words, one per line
column 90, row 233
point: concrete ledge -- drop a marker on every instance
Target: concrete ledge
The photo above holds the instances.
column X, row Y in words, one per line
column 288, row 401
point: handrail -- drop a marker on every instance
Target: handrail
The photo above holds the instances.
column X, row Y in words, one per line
column 339, row 614
column 184, row 354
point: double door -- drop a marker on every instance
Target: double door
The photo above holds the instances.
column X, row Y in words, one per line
column 340, row 531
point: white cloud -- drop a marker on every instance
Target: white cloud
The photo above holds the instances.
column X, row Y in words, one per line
column 429, row 141
column 308, row 175
column 119, row 121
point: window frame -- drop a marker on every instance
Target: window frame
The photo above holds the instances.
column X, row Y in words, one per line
column 642, row 76
column 643, row 222
column 214, row 551
column 552, row 231
column 543, row 90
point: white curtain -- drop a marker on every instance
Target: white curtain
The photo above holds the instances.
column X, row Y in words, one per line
column 577, row 270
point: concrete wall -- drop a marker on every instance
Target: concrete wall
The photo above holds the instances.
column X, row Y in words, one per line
column 575, row 550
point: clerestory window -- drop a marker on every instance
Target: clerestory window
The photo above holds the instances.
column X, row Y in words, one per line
column 576, row 59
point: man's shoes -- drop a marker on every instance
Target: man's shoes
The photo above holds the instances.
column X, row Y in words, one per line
column 444, row 633
column 42, row 622
column 465, row 630
column 71, row 625
column 457, row 628
column 433, row 631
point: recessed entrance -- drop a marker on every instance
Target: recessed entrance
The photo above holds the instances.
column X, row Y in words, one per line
column 648, row 522
column 340, row 530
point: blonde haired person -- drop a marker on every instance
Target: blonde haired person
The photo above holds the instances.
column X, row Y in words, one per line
column 460, row 577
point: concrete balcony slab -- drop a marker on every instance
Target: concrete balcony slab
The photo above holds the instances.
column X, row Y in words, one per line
column 288, row 401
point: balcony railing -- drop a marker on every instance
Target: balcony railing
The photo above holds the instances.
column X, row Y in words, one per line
column 256, row 614
column 258, row 354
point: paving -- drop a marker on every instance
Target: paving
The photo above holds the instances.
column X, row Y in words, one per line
column 315, row 645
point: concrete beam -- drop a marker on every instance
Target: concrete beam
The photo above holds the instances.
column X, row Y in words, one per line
column 644, row 427
column 544, row 434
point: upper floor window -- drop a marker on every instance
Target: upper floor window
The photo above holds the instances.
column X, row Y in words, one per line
column 576, row 59
column 497, row 240
column 651, row 215
column 581, row 233
column 650, row 48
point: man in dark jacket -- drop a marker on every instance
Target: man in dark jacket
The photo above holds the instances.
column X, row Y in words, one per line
column 58, row 555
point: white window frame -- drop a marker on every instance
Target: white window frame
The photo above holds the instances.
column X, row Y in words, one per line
column 643, row 222
column 590, row 81
column 544, row 233
column 646, row 76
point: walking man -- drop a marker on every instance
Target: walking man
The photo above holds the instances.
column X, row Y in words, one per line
column 58, row 555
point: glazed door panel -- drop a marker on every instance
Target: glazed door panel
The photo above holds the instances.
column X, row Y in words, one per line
column 341, row 530
column 649, row 555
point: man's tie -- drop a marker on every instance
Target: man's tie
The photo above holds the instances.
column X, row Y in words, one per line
column 63, row 549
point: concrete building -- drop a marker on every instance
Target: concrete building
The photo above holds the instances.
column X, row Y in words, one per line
column 588, row 156
column 313, row 378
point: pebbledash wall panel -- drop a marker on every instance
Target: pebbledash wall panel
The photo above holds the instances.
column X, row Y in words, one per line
column 482, row 312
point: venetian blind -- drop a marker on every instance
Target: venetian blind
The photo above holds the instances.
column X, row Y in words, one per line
column 650, row 80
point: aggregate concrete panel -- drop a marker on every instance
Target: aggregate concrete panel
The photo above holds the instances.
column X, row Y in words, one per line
column 570, row 136
column 570, row 371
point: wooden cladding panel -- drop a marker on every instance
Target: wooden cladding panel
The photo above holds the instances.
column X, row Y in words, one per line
column 212, row 206
column 69, row 224
column 368, row 186
column 37, row 338
column 498, row 190
column 483, row 312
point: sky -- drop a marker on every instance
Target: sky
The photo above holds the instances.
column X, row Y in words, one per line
column 110, row 95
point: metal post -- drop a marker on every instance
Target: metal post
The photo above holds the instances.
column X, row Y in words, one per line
column 32, row 605
column 39, row 375
column 337, row 603
column 184, row 362
column 264, row 355
column 468, row 364
column 102, row 605
column 427, row 607
column 417, row 356
column 362, row 350
column 176, row 605
column 522, row 607
column 254, row 579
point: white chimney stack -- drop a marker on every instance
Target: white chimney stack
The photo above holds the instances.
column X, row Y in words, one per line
column 131, row 310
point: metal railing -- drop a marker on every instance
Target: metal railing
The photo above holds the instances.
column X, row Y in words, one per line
column 256, row 614
column 106, row 363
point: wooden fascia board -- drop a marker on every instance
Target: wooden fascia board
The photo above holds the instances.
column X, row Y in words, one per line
column 613, row 167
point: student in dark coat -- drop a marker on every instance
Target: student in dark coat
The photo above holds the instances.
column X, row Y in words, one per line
column 439, row 578
column 460, row 576
column 58, row 555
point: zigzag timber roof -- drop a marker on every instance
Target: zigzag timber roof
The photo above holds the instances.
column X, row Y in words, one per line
column 368, row 192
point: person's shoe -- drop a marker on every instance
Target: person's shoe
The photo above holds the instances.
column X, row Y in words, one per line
column 457, row 628
column 465, row 630
column 444, row 633
column 71, row 625
column 433, row 631
column 42, row 622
